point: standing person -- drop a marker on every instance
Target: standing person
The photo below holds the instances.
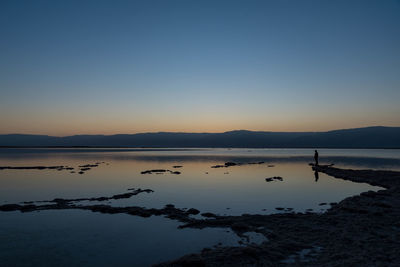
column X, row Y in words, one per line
column 316, row 157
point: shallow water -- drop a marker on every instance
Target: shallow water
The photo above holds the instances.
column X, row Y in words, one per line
column 85, row 238
column 79, row 238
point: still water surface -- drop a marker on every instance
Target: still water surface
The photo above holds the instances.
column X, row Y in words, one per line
column 66, row 238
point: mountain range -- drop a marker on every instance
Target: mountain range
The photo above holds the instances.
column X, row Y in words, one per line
column 367, row 137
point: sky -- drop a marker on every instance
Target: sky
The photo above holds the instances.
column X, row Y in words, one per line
column 108, row 67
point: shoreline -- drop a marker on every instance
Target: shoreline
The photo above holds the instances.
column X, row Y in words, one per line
column 360, row 230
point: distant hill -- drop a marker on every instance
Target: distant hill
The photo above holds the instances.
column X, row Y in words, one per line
column 369, row 137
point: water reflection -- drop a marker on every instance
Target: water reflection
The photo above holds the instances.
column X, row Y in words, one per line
column 242, row 189
column 361, row 158
column 70, row 236
column 316, row 175
column 80, row 238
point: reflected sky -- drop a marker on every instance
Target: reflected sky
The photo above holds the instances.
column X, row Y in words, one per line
column 234, row 190
column 75, row 237
column 79, row 238
column 359, row 158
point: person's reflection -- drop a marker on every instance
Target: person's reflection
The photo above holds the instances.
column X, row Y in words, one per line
column 316, row 176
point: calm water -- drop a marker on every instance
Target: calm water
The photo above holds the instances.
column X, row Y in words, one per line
column 83, row 238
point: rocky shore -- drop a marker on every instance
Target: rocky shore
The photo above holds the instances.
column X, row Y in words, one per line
column 362, row 230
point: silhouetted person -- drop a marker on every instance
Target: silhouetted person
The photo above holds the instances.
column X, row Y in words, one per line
column 316, row 176
column 316, row 157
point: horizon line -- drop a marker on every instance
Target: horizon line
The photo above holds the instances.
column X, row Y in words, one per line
column 180, row 132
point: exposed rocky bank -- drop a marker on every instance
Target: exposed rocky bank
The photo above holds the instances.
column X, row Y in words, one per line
column 362, row 230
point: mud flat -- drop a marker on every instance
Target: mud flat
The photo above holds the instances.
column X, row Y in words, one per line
column 362, row 230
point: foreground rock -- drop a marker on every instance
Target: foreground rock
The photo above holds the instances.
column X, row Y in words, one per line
column 275, row 178
column 159, row 171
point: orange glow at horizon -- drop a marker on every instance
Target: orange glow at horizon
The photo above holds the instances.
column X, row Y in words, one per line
column 56, row 127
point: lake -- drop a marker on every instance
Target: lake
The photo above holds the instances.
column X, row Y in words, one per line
column 83, row 238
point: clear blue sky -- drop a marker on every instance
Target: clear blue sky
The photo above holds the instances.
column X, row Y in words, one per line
column 75, row 67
